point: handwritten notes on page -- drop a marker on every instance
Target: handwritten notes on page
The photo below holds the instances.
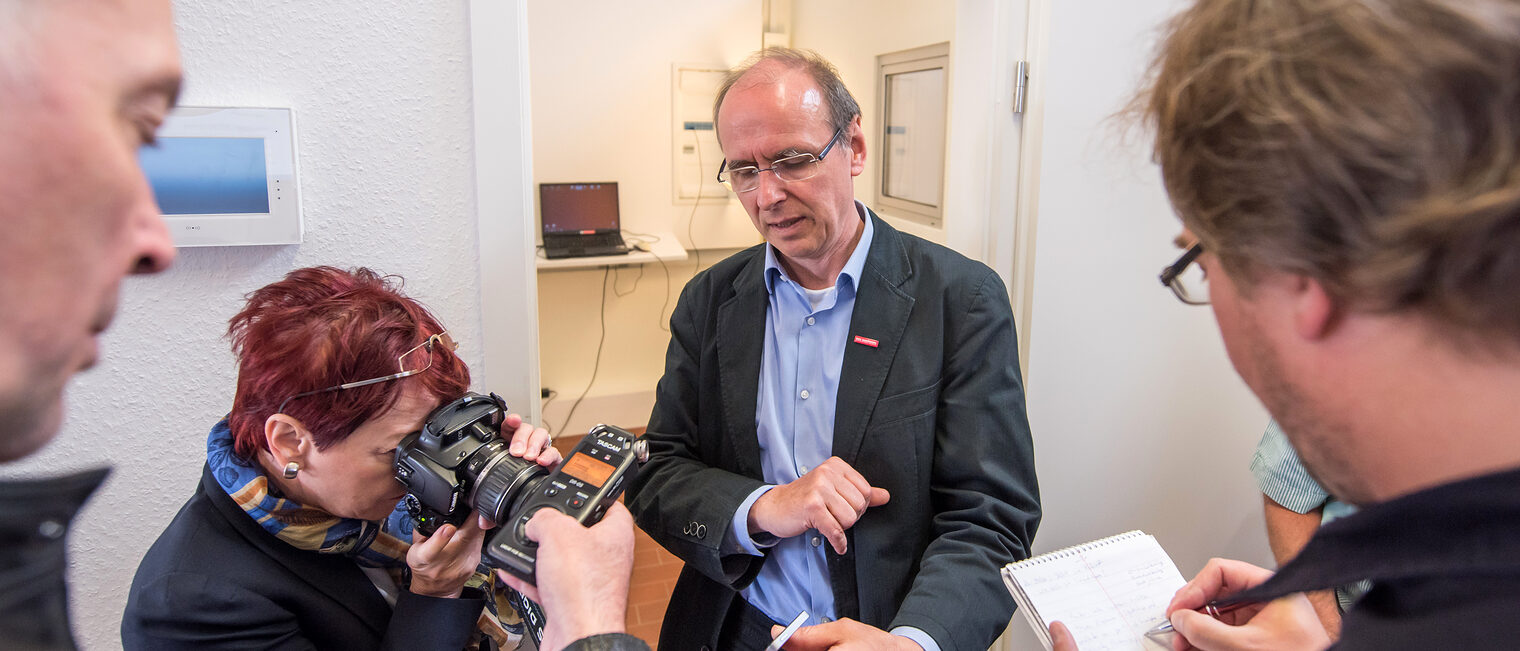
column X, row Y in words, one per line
column 1109, row 592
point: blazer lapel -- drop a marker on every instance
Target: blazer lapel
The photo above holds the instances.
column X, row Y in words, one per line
column 740, row 343
column 881, row 314
column 337, row 577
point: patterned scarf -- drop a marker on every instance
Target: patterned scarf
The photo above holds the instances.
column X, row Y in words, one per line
column 379, row 545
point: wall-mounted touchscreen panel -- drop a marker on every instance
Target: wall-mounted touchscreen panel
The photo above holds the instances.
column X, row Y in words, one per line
column 226, row 176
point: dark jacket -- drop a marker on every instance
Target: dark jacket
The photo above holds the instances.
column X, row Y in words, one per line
column 215, row 579
column 1444, row 564
column 933, row 413
column 34, row 518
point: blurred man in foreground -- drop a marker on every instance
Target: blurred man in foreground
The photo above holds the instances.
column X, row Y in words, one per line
column 1350, row 170
column 83, row 85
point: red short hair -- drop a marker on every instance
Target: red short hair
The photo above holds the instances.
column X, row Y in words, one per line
column 324, row 326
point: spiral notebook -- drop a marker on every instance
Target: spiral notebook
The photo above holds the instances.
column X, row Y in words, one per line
column 1108, row 592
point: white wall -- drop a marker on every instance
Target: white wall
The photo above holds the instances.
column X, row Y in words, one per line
column 601, row 96
column 600, row 79
column 850, row 34
column 1139, row 420
column 381, row 90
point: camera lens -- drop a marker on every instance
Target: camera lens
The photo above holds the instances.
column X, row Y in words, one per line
column 503, row 482
column 459, row 462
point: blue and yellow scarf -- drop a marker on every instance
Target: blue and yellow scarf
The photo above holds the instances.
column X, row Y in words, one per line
column 370, row 544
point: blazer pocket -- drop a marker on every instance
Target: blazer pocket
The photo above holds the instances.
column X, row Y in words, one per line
column 903, row 406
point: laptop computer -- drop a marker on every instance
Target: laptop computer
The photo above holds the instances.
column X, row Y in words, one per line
column 580, row 219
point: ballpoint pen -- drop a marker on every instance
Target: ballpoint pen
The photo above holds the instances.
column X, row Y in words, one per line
column 1211, row 609
column 786, row 634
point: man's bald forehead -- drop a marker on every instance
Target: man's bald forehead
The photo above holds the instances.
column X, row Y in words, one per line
column 19, row 17
column 774, row 63
column 784, row 79
column 22, row 21
column 768, row 71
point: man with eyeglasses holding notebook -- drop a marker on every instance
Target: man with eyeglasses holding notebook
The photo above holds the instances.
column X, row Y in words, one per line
column 1348, row 174
column 840, row 428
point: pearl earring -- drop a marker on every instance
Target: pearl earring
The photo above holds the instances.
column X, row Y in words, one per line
column 291, row 469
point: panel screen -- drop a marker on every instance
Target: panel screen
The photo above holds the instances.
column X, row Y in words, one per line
column 588, row 469
column 207, row 176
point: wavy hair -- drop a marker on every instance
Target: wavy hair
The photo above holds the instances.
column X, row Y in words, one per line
column 324, row 326
column 1369, row 144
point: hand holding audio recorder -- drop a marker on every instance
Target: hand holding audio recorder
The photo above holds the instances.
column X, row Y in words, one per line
column 589, row 480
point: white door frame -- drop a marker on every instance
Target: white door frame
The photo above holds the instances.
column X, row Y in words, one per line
column 1012, row 172
column 1025, row 202
column 992, row 191
column 503, row 179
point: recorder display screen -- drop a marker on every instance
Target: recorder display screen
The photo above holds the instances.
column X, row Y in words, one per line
column 587, row 469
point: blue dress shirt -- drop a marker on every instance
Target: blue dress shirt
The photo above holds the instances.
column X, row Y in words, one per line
column 805, row 339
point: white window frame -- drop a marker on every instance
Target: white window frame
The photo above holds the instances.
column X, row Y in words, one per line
column 928, row 57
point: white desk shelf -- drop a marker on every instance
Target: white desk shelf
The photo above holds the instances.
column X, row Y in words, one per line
column 667, row 249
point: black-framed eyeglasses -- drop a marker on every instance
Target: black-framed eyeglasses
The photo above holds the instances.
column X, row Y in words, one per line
column 800, row 167
column 441, row 339
column 1186, row 279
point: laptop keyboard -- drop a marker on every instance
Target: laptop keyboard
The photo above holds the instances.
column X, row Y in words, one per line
column 585, row 245
column 602, row 240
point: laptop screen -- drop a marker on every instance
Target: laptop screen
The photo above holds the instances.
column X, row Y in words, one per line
column 578, row 207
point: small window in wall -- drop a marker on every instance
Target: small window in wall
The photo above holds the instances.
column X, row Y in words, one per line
column 912, row 87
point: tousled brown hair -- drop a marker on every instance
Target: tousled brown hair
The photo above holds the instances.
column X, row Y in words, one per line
column 1373, row 145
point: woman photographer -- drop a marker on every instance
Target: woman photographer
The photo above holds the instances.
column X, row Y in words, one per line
column 295, row 538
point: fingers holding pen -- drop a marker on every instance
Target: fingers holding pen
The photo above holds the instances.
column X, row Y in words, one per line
column 1286, row 623
column 1218, row 579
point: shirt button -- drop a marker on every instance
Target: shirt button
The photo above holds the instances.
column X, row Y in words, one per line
column 810, row 320
column 824, row 620
column 816, row 540
column 804, row 394
column 802, row 470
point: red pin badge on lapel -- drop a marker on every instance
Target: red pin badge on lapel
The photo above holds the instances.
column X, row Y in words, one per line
column 866, row 341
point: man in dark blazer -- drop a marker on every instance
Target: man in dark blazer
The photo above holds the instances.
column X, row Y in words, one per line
column 843, row 382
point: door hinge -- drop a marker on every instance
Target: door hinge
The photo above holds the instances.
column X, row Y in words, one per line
column 1020, row 85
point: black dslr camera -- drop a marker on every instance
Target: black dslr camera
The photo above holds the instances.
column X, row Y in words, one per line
column 458, row 462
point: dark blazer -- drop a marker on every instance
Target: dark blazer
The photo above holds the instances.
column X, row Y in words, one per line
column 216, row 580
column 34, row 518
column 934, row 413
